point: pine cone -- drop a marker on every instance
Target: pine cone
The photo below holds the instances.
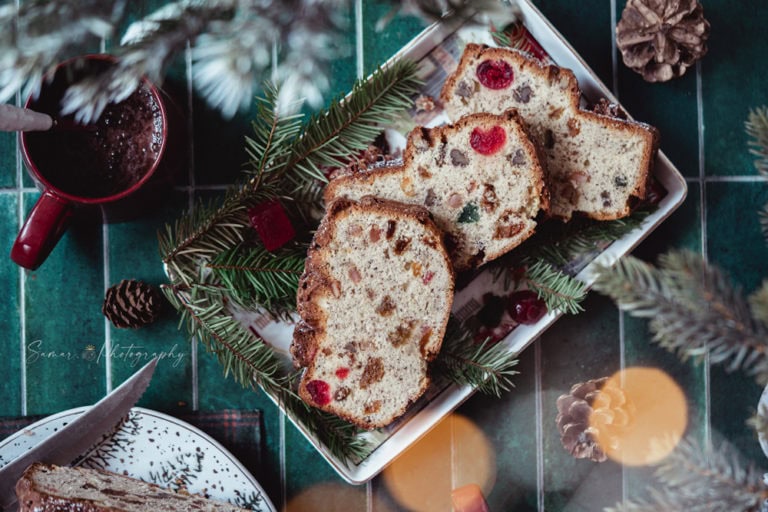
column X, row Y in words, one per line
column 592, row 410
column 132, row 303
column 660, row 39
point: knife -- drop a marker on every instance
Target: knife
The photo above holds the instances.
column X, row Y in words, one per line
column 78, row 436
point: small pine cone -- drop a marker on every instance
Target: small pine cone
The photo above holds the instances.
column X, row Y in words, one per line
column 592, row 410
column 660, row 39
column 132, row 303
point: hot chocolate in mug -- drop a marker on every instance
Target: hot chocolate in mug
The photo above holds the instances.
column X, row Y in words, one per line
column 103, row 166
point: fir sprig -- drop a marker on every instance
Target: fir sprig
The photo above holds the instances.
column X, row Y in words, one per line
column 559, row 291
column 286, row 157
column 486, row 367
column 695, row 478
column 756, row 126
column 693, row 308
column 547, row 260
column 256, row 277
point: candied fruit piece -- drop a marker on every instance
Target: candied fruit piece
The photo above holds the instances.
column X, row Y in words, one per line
column 319, row 391
column 487, row 142
column 495, row 74
column 342, row 373
column 272, row 224
column 526, row 307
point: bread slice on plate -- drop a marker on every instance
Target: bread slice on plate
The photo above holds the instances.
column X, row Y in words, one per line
column 480, row 178
column 374, row 302
column 49, row 488
column 595, row 164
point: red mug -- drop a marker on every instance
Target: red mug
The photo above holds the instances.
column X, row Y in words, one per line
column 105, row 164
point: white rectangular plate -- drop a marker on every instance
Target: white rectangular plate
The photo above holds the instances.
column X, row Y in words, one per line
column 437, row 50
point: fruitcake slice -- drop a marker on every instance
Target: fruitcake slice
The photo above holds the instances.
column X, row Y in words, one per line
column 480, row 178
column 595, row 164
column 47, row 487
column 374, row 302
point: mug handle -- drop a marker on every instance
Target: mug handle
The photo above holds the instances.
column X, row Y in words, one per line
column 41, row 231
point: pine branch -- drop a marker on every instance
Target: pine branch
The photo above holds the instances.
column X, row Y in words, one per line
column 239, row 352
column 347, row 127
column 757, row 129
column 699, row 479
column 559, row 291
column 484, row 366
column 342, row 438
column 37, row 34
column 694, row 310
column 253, row 276
column 280, row 149
column 559, row 244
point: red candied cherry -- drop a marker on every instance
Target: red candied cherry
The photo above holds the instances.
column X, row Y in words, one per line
column 319, row 391
column 342, row 373
column 487, row 142
column 495, row 74
column 526, row 307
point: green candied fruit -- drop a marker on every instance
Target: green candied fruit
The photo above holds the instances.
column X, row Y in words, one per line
column 469, row 213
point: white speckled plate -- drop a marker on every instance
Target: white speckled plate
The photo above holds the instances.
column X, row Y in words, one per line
column 156, row 448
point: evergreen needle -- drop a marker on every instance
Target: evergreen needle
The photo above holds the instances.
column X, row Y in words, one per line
column 693, row 308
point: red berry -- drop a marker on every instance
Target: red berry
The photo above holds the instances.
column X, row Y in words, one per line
column 320, row 391
column 526, row 307
column 495, row 74
column 342, row 373
column 489, row 141
column 272, row 224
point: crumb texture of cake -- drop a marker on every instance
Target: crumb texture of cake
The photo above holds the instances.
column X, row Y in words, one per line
column 374, row 302
column 595, row 164
column 480, row 178
column 51, row 488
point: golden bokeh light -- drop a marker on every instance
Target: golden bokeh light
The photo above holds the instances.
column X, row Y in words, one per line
column 332, row 497
column 651, row 420
column 453, row 454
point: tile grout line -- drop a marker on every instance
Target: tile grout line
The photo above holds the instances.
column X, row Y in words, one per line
column 107, row 326
column 704, row 251
column 360, row 72
column 539, row 414
column 190, row 189
column 614, row 52
column 622, row 331
column 359, row 38
column 281, row 418
column 105, row 263
column 22, row 279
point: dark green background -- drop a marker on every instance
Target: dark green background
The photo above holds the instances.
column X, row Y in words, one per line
column 54, row 313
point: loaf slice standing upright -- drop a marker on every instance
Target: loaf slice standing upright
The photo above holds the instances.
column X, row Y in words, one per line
column 374, row 301
column 595, row 164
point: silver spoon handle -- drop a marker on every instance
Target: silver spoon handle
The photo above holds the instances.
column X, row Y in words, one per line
column 16, row 119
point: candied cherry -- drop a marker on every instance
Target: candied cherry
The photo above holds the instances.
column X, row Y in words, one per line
column 342, row 373
column 495, row 74
column 526, row 307
column 319, row 391
column 487, row 142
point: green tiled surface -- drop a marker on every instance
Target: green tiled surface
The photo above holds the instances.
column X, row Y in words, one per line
column 55, row 333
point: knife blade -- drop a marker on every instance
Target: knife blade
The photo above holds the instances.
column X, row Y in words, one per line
column 78, row 436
